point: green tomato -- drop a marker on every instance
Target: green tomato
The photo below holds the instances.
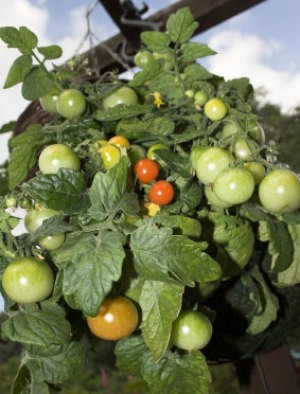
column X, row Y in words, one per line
column 211, row 163
column 231, row 126
column 10, row 202
column 49, row 102
column 191, row 331
column 242, row 150
column 124, row 95
column 234, row 185
column 200, row 98
column 256, row 169
column 196, row 152
column 215, row 109
column 26, row 203
column 168, row 59
column 110, row 155
column 143, row 58
column 213, row 199
column 57, row 156
column 255, row 131
column 28, row 280
column 279, row 191
column 71, row 103
column 52, row 242
column 35, row 217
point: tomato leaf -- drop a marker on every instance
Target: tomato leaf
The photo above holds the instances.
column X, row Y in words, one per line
column 21, row 381
column 29, row 39
column 108, row 193
column 23, row 153
column 160, row 303
column 58, row 367
column 192, row 51
column 122, row 112
column 160, row 255
column 181, row 25
column 139, row 129
column 40, row 327
column 65, row 191
column 180, row 224
column 129, row 352
column 176, row 373
column 18, row 71
column 50, row 52
column 179, row 164
column 37, row 83
column 196, row 72
column 156, row 41
column 91, row 265
column 149, row 72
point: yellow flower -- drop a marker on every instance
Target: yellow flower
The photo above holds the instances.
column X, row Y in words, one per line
column 157, row 99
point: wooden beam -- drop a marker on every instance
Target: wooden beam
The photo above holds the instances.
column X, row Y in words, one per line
column 207, row 13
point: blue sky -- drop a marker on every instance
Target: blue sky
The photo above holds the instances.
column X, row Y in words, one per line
column 261, row 43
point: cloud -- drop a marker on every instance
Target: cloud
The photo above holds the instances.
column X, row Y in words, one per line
column 248, row 55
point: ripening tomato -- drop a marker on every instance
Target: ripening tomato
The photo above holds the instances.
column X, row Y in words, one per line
column 27, row 280
column 120, row 141
column 117, row 319
column 110, row 155
column 146, row 170
column 161, row 193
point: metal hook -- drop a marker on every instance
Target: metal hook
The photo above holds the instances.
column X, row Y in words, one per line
column 132, row 16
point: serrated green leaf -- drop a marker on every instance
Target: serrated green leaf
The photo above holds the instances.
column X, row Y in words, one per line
column 6, row 127
column 91, row 265
column 65, row 191
column 50, row 52
column 146, row 75
column 156, row 41
column 23, row 153
column 261, row 321
column 11, row 36
column 181, row 25
column 19, row 69
column 40, row 327
column 29, row 39
column 192, row 51
column 179, row 164
column 59, row 367
column 177, row 373
column 196, row 72
column 139, row 129
column 129, row 352
column 167, row 85
column 108, row 193
column 160, row 255
column 37, row 83
column 160, row 303
column 180, row 224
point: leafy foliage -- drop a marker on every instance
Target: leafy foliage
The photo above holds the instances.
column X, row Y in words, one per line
column 239, row 265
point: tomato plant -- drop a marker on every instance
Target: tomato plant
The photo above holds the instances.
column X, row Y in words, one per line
column 161, row 193
column 28, row 280
column 215, row 109
column 117, row 319
column 57, row 156
column 71, row 103
column 211, row 222
column 146, row 170
column 191, row 331
column 279, row 191
column 124, row 95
